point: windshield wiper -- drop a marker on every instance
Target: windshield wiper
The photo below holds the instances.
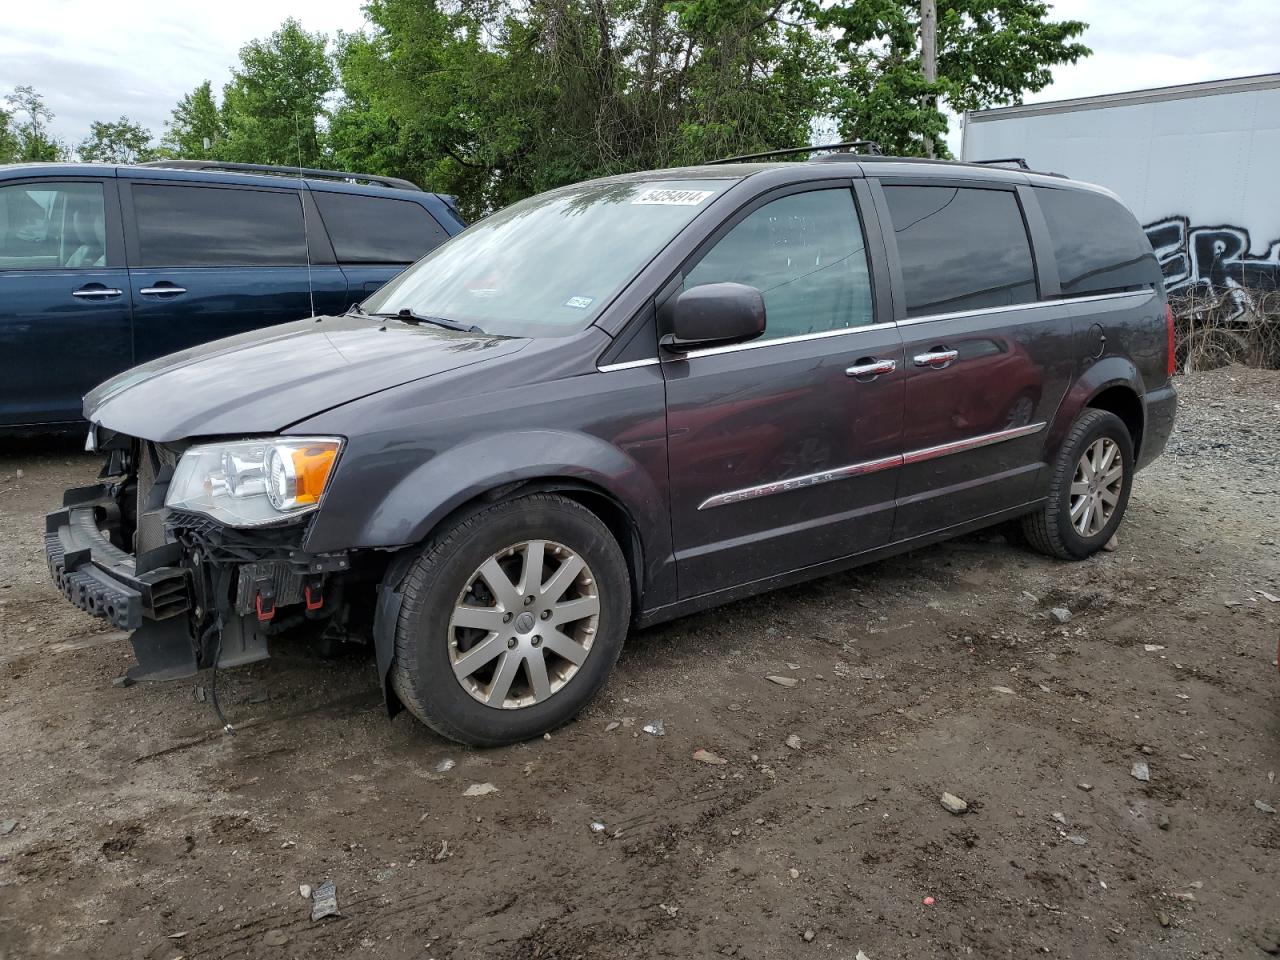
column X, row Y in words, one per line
column 408, row 316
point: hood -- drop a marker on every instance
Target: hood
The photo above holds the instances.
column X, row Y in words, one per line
column 265, row 380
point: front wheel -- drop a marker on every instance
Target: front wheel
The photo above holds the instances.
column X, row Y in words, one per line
column 511, row 621
column 1088, row 489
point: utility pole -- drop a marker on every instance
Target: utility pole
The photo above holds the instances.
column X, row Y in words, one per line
column 929, row 54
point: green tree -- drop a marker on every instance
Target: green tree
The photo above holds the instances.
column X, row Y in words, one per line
column 990, row 52
column 194, row 131
column 362, row 134
column 494, row 101
column 273, row 106
column 8, row 139
column 118, row 141
column 28, row 122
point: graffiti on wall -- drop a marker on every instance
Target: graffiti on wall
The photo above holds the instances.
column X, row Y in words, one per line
column 1213, row 261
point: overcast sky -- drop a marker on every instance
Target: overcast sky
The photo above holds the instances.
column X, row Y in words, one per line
column 96, row 61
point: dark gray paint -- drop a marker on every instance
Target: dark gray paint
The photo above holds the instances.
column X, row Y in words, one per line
column 434, row 419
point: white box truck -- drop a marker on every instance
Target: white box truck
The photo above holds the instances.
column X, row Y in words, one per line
column 1199, row 164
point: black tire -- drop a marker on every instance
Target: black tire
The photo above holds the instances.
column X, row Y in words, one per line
column 422, row 673
column 1050, row 530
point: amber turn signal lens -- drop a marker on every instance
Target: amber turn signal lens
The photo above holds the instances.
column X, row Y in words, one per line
column 311, row 467
column 298, row 470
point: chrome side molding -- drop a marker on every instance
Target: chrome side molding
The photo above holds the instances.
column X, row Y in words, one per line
column 871, row 466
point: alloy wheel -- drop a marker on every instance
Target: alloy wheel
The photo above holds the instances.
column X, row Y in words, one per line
column 523, row 625
column 1096, row 487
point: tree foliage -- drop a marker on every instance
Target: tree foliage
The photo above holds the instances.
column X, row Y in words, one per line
column 195, row 129
column 28, row 124
column 116, row 141
column 494, row 102
column 990, row 52
column 274, row 105
column 8, row 139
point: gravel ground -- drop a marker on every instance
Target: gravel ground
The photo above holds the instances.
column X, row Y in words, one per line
column 131, row 827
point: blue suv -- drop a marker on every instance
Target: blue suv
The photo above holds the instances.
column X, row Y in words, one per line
column 105, row 267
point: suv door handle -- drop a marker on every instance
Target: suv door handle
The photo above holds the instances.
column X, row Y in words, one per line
column 168, row 288
column 936, row 358
column 871, row 367
column 90, row 291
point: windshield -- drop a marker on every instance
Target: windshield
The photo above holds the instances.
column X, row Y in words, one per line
column 547, row 266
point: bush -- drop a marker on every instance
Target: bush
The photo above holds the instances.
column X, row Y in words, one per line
column 1215, row 328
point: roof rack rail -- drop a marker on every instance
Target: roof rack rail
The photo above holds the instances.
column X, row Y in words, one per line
column 376, row 179
column 1019, row 162
column 872, row 149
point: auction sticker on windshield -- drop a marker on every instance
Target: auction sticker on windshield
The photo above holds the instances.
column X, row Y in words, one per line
column 672, row 198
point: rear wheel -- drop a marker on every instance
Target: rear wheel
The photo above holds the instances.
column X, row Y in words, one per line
column 1088, row 489
column 511, row 621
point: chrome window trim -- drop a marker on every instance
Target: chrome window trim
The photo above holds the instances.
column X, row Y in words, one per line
column 779, row 341
column 871, row 466
column 847, row 331
column 1031, row 305
column 628, row 365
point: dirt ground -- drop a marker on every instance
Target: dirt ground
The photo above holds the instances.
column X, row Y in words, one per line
column 143, row 831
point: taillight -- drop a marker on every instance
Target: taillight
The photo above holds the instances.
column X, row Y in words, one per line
column 1168, row 322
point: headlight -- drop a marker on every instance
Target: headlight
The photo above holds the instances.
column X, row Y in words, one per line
column 249, row 483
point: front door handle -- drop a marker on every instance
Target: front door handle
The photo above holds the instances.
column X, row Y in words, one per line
column 871, row 368
column 936, row 359
column 163, row 288
column 94, row 291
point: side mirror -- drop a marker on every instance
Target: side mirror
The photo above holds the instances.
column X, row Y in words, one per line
column 714, row 314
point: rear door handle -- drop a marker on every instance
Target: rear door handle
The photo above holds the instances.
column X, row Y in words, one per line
column 90, row 292
column 167, row 288
column 871, row 367
column 936, row 359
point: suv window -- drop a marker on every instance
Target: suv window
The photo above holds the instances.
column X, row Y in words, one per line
column 960, row 248
column 805, row 253
column 378, row 229
column 1098, row 243
column 47, row 226
column 180, row 226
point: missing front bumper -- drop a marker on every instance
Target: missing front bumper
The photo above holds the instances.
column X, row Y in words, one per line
column 206, row 595
column 100, row 578
column 149, row 594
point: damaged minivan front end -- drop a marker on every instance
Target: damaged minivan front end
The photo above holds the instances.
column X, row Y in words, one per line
column 198, row 548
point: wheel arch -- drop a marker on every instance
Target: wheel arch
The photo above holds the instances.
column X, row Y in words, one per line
column 1122, row 400
column 611, row 489
column 1112, row 384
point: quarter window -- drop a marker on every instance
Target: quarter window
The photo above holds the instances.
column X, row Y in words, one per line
column 960, row 248
column 378, row 229
column 181, row 226
column 1097, row 242
column 806, row 254
column 50, row 226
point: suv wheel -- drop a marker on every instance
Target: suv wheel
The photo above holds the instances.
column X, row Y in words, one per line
column 511, row 621
column 1088, row 489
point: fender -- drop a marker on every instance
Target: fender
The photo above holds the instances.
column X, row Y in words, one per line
column 426, row 493
column 1106, row 373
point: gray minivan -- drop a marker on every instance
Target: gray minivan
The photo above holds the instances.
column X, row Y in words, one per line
column 622, row 401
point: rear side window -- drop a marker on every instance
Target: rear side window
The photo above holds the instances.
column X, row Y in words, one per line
column 805, row 253
column 1098, row 243
column 378, row 229
column 49, row 226
column 961, row 248
column 180, row 226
